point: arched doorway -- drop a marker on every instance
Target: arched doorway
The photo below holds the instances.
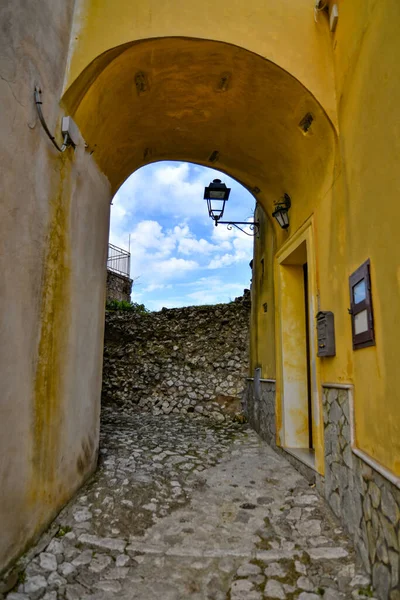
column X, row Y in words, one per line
column 202, row 101
column 219, row 105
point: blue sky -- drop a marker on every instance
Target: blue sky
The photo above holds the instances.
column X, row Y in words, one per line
column 179, row 258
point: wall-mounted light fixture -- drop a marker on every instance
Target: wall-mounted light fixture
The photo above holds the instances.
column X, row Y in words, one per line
column 281, row 212
column 216, row 195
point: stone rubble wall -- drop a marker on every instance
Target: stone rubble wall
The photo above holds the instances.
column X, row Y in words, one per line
column 366, row 503
column 119, row 287
column 259, row 409
column 180, row 360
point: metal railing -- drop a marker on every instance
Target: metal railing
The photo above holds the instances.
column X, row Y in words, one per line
column 119, row 260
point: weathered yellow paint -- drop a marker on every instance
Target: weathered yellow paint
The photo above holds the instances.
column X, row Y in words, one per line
column 280, row 65
column 283, row 32
column 184, row 115
column 262, row 329
column 357, row 219
column 300, row 417
column 367, row 59
column 292, row 409
column 54, row 319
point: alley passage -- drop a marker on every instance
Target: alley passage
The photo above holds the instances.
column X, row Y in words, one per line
column 183, row 508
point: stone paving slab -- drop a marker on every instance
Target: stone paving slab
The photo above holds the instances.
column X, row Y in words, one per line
column 185, row 508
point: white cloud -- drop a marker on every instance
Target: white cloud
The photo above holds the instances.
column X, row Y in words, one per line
column 209, row 290
column 190, row 245
column 174, row 267
column 163, row 189
column 222, row 261
column 222, row 235
column 174, row 189
column 239, row 244
column 173, row 242
column 156, row 286
column 213, row 289
column 155, row 251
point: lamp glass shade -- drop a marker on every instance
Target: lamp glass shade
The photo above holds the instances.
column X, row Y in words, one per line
column 217, row 195
column 216, row 208
column 217, row 191
column 281, row 214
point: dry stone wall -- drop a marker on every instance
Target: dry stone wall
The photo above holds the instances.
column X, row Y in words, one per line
column 180, row 360
column 119, row 287
column 367, row 504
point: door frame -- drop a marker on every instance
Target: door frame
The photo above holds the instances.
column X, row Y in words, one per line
column 284, row 354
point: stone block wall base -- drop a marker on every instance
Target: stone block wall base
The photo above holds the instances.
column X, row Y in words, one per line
column 259, row 408
column 366, row 503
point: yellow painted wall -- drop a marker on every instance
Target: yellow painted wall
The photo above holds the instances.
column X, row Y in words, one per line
column 183, row 114
column 294, row 360
column 343, row 176
column 346, row 80
column 282, row 31
column 358, row 219
column 367, row 64
column 262, row 331
column 54, row 212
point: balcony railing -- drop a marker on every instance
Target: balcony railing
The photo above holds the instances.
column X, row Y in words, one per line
column 119, row 260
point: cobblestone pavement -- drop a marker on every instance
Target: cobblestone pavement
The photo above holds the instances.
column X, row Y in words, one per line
column 183, row 508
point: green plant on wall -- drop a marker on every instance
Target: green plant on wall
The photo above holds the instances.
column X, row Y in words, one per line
column 125, row 305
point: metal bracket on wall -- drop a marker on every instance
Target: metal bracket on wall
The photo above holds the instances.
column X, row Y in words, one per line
column 254, row 227
column 67, row 142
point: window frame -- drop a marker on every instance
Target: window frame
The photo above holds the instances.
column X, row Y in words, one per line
column 365, row 338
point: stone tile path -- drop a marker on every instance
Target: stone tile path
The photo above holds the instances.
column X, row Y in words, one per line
column 183, row 508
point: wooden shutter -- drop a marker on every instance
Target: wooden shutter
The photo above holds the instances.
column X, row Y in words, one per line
column 362, row 321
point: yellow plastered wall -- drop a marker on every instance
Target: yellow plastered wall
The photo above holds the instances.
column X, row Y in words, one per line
column 367, row 65
column 358, row 217
column 254, row 124
column 294, row 363
column 262, row 331
column 291, row 386
column 348, row 186
column 282, row 31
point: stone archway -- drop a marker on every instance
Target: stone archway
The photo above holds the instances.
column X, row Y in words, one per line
column 215, row 104
column 208, row 102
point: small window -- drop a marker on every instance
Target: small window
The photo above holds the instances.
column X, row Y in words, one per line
column 361, row 308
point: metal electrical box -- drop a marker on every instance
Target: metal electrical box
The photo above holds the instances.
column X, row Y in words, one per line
column 70, row 128
column 326, row 333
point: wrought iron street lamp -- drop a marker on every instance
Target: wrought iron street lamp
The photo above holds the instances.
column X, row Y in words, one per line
column 216, row 195
column 281, row 212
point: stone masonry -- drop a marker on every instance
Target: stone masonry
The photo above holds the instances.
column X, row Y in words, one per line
column 259, row 408
column 366, row 503
column 182, row 507
column 179, row 360
column 119, row 287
